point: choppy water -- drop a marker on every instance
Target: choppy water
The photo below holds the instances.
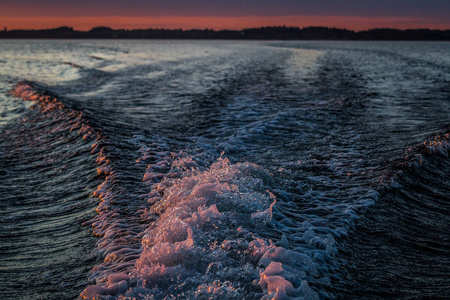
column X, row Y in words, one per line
column 224, row 170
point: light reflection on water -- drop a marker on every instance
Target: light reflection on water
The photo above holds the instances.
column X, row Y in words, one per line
column 322, row 126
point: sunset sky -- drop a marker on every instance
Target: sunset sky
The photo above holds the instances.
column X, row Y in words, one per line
column 221, row 14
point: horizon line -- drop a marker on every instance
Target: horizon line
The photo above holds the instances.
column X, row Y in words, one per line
column 354, row 23
column 5, row 29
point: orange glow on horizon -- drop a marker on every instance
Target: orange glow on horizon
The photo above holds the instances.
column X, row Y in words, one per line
column 218, row 23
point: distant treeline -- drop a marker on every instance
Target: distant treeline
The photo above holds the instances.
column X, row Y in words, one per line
column 263, row 33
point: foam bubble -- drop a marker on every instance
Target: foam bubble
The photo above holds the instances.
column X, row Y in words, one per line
column 206, row 240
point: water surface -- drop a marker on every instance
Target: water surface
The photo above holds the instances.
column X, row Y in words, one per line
column 224, row 170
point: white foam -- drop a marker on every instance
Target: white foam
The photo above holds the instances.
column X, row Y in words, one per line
column 204, row 242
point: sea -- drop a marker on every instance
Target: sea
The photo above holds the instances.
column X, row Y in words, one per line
column 224, row 169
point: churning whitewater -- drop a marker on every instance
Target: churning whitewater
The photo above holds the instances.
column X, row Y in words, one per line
column 224, row 170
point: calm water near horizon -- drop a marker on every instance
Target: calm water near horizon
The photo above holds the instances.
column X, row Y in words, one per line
column 224, row 170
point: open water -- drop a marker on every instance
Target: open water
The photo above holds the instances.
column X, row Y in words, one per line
column 224, row 170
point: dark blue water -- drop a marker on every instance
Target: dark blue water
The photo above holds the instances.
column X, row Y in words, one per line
column 220, row 170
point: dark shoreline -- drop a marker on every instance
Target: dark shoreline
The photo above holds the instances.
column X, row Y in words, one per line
column 263, row 33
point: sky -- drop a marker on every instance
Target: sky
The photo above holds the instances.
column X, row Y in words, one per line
column 224, row 14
